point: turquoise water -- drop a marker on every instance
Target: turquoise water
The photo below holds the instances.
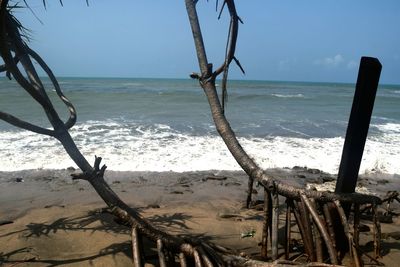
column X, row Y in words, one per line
column 165, row 124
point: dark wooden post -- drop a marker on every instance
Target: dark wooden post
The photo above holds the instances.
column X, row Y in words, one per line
column 357, row 130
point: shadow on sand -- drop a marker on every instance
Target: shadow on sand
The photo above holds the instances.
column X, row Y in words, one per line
column 100, row 220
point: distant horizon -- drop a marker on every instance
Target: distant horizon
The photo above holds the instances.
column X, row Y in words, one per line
column 233, row 79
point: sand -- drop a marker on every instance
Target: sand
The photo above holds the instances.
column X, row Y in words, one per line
column 57, row 221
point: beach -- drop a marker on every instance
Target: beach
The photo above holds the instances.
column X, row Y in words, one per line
column 101, row 169
column 58, row 221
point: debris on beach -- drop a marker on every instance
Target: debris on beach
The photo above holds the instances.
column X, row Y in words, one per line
column 250, row 233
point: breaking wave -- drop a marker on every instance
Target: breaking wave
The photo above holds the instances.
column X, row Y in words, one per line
column 158, row 147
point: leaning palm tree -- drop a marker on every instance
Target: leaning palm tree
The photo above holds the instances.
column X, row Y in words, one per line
column 320, row 206
column 18, row 57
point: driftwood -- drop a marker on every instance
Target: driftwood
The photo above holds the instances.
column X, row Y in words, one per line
column 377, row 233
column 322, row 230
column 275, row 225
column 137, row 261
column 302, row 203
column 267, row 223
column 182, row 260
column 288, row 230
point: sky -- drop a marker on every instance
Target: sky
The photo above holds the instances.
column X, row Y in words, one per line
column 285, row 40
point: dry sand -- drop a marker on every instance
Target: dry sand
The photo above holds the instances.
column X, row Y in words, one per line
column 57, row 221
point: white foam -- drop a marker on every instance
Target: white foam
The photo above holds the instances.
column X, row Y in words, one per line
column 389, row 127
column 159, row 148
column 289, row 96
column 132, row 84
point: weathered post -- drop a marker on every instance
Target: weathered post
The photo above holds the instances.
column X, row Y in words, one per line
column 357, row 129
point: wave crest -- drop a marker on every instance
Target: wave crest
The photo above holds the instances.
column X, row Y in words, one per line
column 158, row 147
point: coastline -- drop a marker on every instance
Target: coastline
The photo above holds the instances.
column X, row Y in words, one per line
column 59, row 221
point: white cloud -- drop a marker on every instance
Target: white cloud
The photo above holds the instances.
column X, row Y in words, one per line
column 286, row 64
column 330, row 61
column 352, row 65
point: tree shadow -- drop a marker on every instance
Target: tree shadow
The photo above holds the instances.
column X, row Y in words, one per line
column 98, row 220
column 5, row 257
column 124, row 247
column 386, row 247
column 203, row 237
column 175, row 221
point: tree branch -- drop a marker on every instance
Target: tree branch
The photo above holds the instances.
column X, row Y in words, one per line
column 321, row 228
column 197, row 36
column 72, row 118
column 232, row 36
column 5, row 51
column 10, row 39
column 24, row 125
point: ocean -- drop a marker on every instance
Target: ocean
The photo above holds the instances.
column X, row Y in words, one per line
column 165, row 125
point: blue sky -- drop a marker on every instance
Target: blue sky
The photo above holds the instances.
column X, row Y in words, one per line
column 310, row 40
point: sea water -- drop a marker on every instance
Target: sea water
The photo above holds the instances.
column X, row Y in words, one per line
column 165, row 124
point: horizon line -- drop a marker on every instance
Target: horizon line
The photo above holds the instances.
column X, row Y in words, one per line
column 233, row 79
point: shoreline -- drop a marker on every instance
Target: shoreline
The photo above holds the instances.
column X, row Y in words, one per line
column 25, row 189
column 56, row 220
